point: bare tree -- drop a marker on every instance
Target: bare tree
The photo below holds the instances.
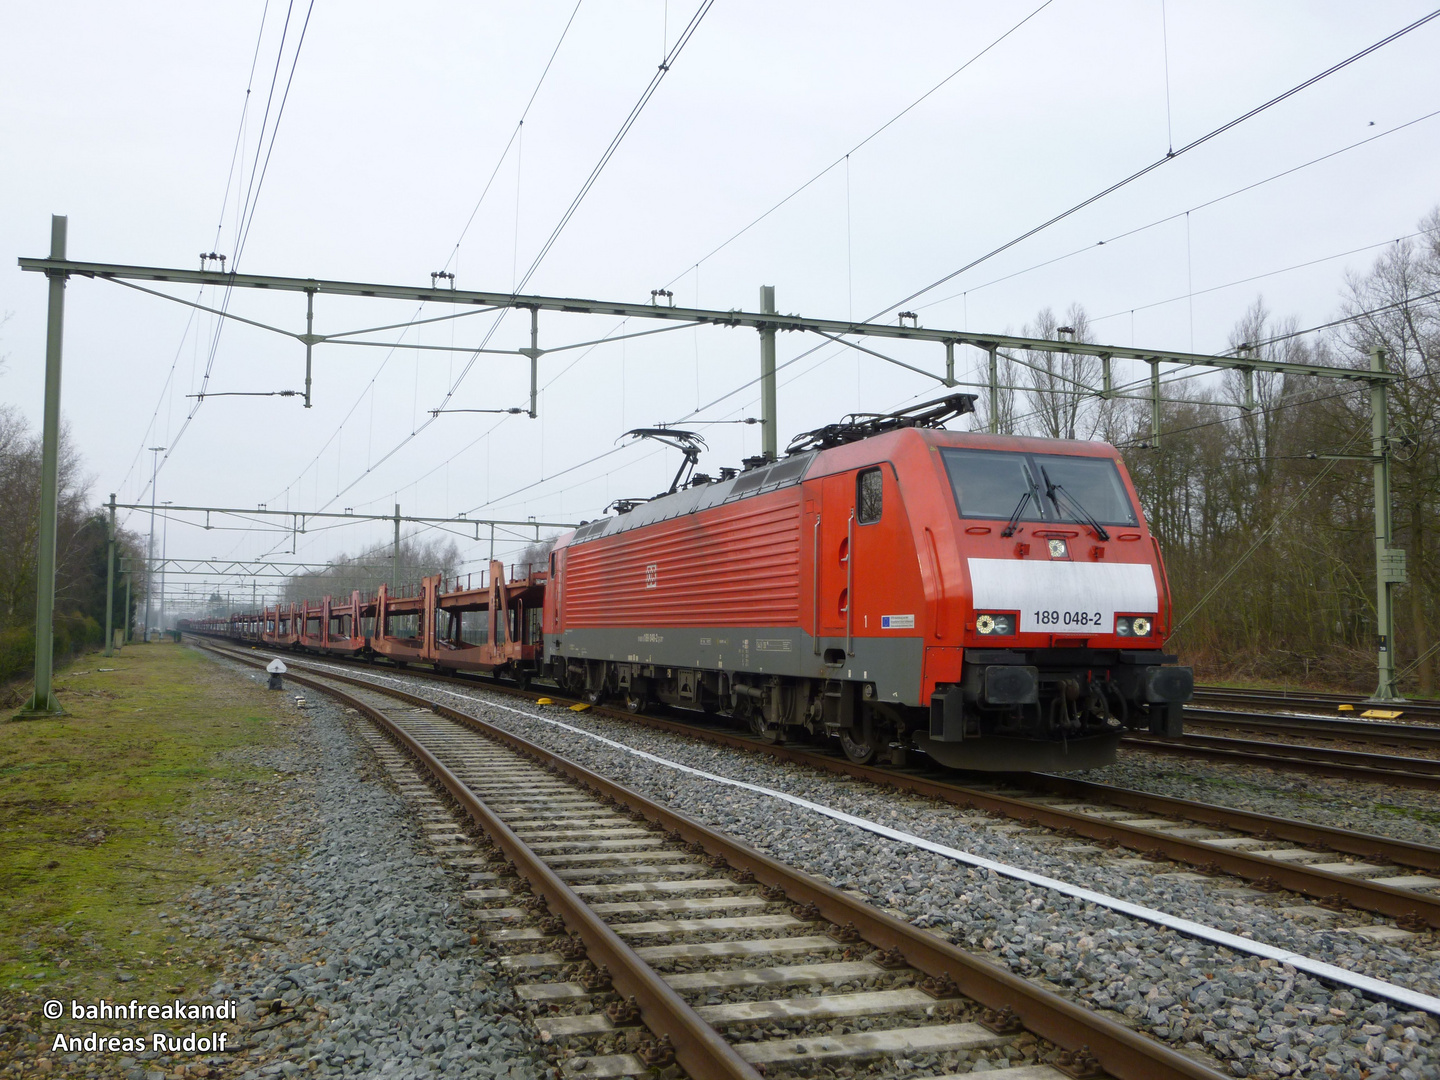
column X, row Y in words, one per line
column 81, row 550
column 1060, row 398
column 372, row 567
column 536, row 555
column 1392, row 311
column 20, row 454
column 1277, row 543
column 1006, row 372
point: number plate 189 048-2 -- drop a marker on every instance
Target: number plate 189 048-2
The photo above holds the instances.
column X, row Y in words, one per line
column 1043, row 619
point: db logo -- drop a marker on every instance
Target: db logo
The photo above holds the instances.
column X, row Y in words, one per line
column 652, row 574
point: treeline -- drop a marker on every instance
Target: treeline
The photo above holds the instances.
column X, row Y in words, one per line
column 1266, row 514
column 369, row 569
column 372, row 567
column 80, row 553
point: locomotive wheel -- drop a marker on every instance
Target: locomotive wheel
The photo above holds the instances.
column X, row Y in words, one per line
column 637, row 699
column 860, row 745
column 522, row 680
column 597, row 677
column 773, row 734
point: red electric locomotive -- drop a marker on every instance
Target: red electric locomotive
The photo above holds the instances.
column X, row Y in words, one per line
column 994, row 602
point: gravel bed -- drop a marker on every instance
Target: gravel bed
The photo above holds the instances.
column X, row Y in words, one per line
column 1250, row 1017
column 359, row 936
column 1400, row 813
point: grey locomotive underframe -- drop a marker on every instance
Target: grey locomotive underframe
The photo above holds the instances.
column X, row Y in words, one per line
column 788, row 677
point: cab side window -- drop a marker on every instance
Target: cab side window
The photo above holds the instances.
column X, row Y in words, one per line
column 869, row 491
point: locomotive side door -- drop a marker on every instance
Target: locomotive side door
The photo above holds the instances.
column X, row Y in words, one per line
column 831, row 537
column 884, row 568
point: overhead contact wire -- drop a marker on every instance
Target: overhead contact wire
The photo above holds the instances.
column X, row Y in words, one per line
column 219, row 225
column 844, row 158
column 251, row 203
column 585, row 188
column 1169, row 156
column 534, row 93
column 1166, row 159
column 1181, row 213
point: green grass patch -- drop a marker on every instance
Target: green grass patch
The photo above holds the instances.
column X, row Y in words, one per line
column 89, row 853
column 1412, row 813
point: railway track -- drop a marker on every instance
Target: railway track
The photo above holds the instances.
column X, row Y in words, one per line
column 1320, row 760
column 641, row 939
column 1340, row 868
column 1371, row 732
column 1297, row 699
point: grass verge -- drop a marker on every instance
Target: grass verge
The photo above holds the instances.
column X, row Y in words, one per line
column 90, row 856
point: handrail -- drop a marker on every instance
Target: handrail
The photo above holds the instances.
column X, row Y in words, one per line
column 1164, row 584
column 815, row 579
column 850, row 585
column 937, row 605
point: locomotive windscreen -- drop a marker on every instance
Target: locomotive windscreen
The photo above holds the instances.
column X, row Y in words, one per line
column 991, row 483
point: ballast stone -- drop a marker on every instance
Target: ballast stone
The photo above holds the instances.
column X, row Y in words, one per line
column 389, row 919
column 1014, row 922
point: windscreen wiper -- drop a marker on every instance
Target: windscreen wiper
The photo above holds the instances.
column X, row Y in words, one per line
column 1052, row 488
column 1009, row 529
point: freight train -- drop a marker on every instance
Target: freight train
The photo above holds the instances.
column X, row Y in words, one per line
column 991, row 602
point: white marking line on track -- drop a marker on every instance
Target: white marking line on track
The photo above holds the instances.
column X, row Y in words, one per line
column 1376, row 987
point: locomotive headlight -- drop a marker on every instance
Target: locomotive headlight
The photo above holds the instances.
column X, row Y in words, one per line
column 1132, row 626
column 995, row 623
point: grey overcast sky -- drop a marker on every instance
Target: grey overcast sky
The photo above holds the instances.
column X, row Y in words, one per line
column 134, row 121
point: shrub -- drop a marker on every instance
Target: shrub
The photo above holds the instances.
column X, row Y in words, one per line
column 73, row 634
column 17, row 652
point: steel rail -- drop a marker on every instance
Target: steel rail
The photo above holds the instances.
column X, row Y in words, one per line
column 1321, row 884
column 1365, row 845
column 1378, row 731
column 1316, row 699
column 1125, row 1054
column 1346, row 764
column 1271, row 873
column 699, row 1048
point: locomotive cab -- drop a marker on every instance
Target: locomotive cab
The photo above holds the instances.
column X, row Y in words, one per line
column 1066, row 611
